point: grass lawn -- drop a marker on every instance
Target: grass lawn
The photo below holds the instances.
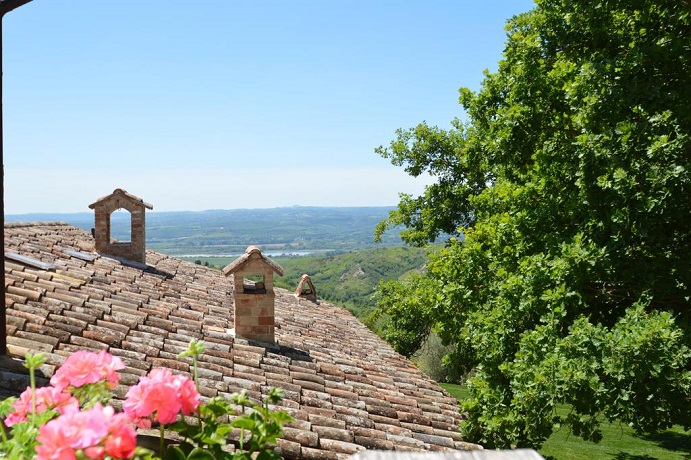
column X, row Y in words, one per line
column 619, row 442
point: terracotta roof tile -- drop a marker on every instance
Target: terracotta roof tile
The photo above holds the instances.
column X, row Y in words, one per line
column 29, row 343
column 83, row 342
column 288, row 449
column 347, row 389
column 28, row 293
column 329, row 432
column 350, row 407
column 303, row 437
column 321, row 454
column 15, row 310
column 47, row 331
column 375, row 443
column 405, row 442
column 16, row 322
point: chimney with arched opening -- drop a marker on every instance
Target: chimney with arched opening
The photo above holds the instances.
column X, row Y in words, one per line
column 254, row 295
column 135, row 249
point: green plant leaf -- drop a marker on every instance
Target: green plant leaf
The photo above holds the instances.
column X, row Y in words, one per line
column 200, row 454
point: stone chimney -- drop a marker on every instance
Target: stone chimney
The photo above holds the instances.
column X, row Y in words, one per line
column 254, row 294
column 305, row 289
column 104, row 207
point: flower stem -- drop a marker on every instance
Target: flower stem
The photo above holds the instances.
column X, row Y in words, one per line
column 196, row 348
column 196, row 372
column 163, row 444
column 33, row 362
column 2, row 432
column 32, row 379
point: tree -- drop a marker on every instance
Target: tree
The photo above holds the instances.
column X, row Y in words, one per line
column 567, row 195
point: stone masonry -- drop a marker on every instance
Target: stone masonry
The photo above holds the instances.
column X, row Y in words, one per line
column 136, row 248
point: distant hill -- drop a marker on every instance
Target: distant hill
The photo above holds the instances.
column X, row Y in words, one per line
column 229, row 232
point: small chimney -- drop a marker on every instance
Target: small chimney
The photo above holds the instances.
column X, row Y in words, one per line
column 136, row 248
column 254, row 294
column 305, row 289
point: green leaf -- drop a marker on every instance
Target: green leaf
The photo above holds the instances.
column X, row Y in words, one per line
column 175, row 453
column 200, row 454
column 244, row 422
column 268, row 455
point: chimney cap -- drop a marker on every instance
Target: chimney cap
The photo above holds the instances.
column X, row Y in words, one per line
column 253, row 250
column 118, row 192
column 306, row 289
column 252, row 253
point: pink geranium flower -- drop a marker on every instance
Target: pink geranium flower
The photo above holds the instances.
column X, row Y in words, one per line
column 47, row 398
column 188, row 394
column 122, row 437
column 95, row 453
column 84, row 367
column 159, row 397
column 53, row 445
column 97, row 431
column 83, row 429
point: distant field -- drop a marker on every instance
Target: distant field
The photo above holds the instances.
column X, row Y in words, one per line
column 619, row 442
column 227, row 232
column 213, row 262
column 220, row 262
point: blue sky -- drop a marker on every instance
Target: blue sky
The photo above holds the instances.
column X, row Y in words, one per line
column 222, row 104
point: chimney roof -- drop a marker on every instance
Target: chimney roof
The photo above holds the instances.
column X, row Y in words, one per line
column 252, row 252
column 121, row 193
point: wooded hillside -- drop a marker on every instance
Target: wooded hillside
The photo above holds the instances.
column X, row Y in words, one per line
column 351, row 279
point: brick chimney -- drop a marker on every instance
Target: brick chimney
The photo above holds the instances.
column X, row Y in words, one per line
column 104, row 207
column 254, row 294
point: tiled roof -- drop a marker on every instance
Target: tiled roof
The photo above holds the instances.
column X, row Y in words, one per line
column 346, row 388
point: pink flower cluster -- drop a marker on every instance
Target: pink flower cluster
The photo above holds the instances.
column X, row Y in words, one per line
column 80, row 369
column 98, row 432
column 47, row 398
column 159, row 397
column 84, row 367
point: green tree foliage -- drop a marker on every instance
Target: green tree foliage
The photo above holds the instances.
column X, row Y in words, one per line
column 430, row 359
column 570, row 181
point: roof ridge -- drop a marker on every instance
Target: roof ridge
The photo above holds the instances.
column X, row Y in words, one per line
column 34, row 224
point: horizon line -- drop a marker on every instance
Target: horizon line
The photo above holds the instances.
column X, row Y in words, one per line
column 296, row 206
